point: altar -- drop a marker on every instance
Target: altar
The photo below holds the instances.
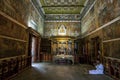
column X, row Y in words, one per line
column 62, row 47
column 63, row 58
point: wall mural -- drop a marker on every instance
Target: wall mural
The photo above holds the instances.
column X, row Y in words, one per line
column 9, row 48
column 112, row 31
column 22, row 11
column 52, row 28
column 62, row 30
column 11, row 29
column 73, row 17
column 102, row 12
column 13, row 38
column 112, row 49
column 17, row 9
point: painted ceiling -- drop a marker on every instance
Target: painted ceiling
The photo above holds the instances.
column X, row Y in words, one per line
column 62, row 6
column 62, row 10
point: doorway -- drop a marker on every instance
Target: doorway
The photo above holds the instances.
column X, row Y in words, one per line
column 33, row 49
column 95, row 49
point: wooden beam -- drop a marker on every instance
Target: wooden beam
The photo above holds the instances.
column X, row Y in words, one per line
column 12, row 19
column 11, row 38
column 111, row 40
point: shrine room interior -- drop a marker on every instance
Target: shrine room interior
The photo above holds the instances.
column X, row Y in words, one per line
column 59, row 39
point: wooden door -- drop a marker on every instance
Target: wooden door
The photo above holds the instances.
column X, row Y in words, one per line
column 95, row 49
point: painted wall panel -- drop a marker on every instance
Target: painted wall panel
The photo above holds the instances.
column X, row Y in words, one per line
column 10, row 48
column 112, row 31
column 95, row 24
column 23, row 11
column 52, row 28
column 112, row 49
column 11, row 29
column 101, row 13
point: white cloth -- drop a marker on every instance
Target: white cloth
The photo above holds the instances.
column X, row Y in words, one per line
column 99, row 69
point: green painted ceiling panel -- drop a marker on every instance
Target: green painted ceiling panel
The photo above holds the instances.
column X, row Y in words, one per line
column 62, row 6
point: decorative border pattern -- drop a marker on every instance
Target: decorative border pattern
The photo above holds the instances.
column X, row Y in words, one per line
column 75, row 17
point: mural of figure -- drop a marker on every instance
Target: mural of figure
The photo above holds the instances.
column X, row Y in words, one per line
column 62, row 30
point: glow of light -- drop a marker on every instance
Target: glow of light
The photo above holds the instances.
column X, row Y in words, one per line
column 63, row 57
column 32, row 24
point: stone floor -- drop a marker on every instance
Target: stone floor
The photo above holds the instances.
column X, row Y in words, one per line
column 49, row 71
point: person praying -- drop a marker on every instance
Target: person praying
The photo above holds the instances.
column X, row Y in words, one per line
column 99, row 68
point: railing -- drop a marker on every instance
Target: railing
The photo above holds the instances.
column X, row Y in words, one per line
column 12, row 66
column 112, row 67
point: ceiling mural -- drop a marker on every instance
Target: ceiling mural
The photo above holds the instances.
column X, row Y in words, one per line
column 69, row 10
column 62, row 6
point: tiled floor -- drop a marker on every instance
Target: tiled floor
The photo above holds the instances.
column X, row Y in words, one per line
column 49, row 71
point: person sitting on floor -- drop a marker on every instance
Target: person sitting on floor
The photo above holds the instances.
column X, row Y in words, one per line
column 99, row 68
